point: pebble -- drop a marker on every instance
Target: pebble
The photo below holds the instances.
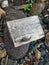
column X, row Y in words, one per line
column 43, row 52
column 45, row 31
column 32, row 52
column 4, row 3
column 27, row 59
column 29, row 54
column 40, row 63
column 47, row 39
column 21, row 64
column 0, row 48
column 46, row 63
column 46, row 15
column 22, row 61
column 38, row 44
column 46, row 58
column 2, row 45
column 43, row 46
column 36, row 63
column 48, row 9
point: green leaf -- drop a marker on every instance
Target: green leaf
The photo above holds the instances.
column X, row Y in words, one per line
column 28, row 5
column 27, row 1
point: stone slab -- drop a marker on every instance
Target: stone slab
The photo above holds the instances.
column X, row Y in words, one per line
column 25, row 30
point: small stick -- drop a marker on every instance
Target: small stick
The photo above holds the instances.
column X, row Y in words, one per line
column 6, row 61
column 2, row 61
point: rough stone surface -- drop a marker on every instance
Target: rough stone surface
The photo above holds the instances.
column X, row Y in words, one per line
column 19, row 52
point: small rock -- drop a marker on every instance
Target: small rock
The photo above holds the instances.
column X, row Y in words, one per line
column 27, row 59
column 47, row 39
column 46, row 58
column 2, row 45
column 46, row 15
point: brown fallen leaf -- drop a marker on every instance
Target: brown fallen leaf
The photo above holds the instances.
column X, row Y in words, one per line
column 3, row 53
column 2, row 12
column 1, row 39
column 37, row 54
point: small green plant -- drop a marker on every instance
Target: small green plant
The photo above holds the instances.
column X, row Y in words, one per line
column 28, row 5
